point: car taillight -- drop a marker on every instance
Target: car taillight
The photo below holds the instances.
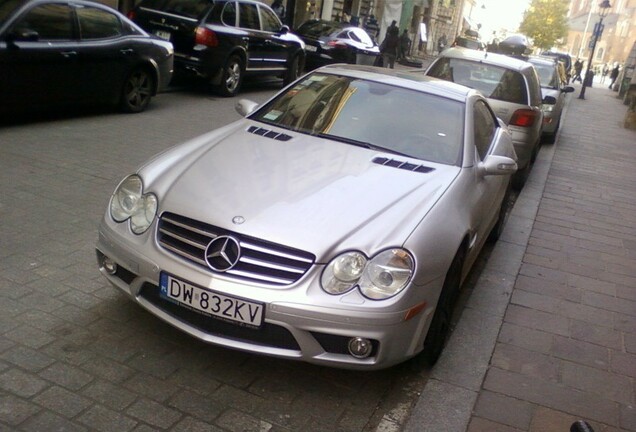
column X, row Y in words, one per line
column 523, row 118
column 336, row 44
column 132, row 15
column 205, row 36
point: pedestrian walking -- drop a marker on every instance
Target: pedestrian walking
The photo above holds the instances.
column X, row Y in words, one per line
column 614, row 74
column 389, row 47
column 604, row 72
column 279, row 8
column 578, row 67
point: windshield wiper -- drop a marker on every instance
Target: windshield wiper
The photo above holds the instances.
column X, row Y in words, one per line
column 361, row 144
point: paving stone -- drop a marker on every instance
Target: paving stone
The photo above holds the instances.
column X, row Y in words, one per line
column 20, row 383
column 154, row 388
column 237, row 421
column 62, row 401
column 15, row 410
column 628, row 417
column 538, row 320
column 198, row 407
column 478, row 424
column 608, row 385
column 547, row 420
column 66, row 376
column 190, row 424
column 552, row 395
column 533, row 340
column 598, row 335
column 614, row 304
column 109, row 395
column 153, row 413
column 108, row 369
column 528, row 363
column 106, row 420
column 581, row 352
column 50, row 422
column 623, row 363
column 504, row 410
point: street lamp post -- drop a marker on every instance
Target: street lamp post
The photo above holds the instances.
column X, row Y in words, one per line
column 604, row 10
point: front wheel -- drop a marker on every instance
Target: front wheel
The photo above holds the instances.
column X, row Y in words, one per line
column 232, row 77
column 293, row 71
column 137, row 91
column 440, row 327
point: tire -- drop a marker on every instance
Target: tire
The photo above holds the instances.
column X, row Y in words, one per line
column 440, row 327
column 232, row 77
column 138, row 90
column 551, row 138
column 293, row 71
column 497, row 229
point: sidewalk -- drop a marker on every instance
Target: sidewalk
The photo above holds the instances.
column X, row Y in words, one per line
column 548, row 336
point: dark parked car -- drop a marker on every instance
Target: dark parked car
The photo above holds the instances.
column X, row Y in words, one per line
column 335, row 42
column 224, row 40
column 77, row 52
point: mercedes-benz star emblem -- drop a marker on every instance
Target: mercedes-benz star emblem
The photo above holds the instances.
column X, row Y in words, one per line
column 222, row 253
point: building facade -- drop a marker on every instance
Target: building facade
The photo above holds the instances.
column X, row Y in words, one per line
column 617, row 38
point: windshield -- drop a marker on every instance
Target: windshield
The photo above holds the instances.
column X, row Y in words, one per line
column 371, row 114
column 547, row 75
column 316, row 29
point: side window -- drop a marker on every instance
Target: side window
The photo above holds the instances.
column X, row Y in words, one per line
column 535, row 88
column 98, row 24
column 228, row 17
column 249, row 16
column 361, row 36
column 50, row 21
column 485, row 128
column 270, row 21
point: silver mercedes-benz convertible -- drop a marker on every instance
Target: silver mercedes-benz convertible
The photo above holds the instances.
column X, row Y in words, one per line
column 333, row 224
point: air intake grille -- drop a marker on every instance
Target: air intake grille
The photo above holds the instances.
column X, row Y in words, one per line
column 269, row 133
column 260, row 261
column 402, row 165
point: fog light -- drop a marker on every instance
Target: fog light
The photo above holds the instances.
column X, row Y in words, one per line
column 109, row 265
column 360, row 347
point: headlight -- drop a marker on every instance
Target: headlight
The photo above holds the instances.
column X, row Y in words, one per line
column 343, row 272
column 382, row 277
column 386, row 274
column 129, row 202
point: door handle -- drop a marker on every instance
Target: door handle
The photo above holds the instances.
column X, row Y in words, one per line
column 127, row 51
column 68, row 54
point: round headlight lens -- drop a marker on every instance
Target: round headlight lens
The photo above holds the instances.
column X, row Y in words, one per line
column 386, row 274
column 140, row 221
column 126, row 198
column 343, row 272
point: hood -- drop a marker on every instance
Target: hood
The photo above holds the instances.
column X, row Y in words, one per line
column 306, row 192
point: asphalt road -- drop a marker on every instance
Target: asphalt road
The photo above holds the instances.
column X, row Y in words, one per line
column 77, row 354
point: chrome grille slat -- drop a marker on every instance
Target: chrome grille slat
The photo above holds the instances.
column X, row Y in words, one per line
column 260, row 261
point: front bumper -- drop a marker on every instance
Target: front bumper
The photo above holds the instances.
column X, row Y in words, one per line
column 301, row 322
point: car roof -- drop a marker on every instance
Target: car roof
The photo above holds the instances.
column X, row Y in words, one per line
column 486, row 57
column 544, row 60
column 415, row 81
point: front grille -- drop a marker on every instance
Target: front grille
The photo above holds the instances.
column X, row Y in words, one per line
column 267, row 335
column 260, row 261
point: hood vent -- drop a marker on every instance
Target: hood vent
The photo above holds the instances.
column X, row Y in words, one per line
column 268, row 133
column 402, row 165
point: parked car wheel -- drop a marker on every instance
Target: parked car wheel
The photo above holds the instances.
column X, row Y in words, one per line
column 138, row 90
column 551, row 138
column 294, row 70
column 440, row 327
column 232, row 77
column 521, row 176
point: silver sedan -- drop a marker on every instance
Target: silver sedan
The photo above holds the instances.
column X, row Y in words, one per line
column 333, row 224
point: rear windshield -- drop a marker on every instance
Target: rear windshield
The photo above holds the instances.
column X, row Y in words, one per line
column 187, row 8
column 547, row 75
column 494, row 82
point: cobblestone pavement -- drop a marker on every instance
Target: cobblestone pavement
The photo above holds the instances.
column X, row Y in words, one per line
column 77, row 355
column 548, row 335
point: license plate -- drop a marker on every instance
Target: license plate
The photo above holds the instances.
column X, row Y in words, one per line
column 311, row 48
column 209, row 302
column 163, row 34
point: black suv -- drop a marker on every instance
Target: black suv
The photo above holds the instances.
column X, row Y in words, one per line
column 224, row 40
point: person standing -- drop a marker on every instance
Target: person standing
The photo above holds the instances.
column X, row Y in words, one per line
column 604, row 72
column 405, row 45
column 578, row 67
column 389, row 47
column 614, row 74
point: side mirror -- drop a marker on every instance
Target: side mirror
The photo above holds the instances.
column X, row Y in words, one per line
column 284, row 29
column 245, row 107
column 568, row 89
column 550, row 100
column 497, row 165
